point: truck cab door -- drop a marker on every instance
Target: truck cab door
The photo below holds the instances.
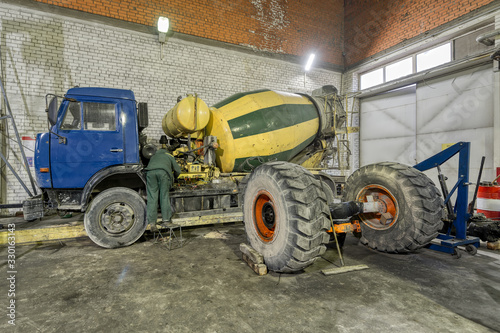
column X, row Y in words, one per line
column 86, row 138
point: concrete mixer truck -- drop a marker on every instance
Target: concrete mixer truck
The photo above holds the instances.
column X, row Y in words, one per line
column 253, row 157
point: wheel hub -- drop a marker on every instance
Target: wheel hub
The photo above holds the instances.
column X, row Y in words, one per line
column 265, row 216
column 387, row 203
column 117, row 218
column 268, row 215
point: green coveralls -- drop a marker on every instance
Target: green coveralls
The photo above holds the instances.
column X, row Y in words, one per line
column 160, row 176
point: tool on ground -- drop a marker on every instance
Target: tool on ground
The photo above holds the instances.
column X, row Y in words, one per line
column 343, row 268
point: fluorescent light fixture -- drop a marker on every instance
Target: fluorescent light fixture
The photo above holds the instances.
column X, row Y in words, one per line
column 162, row 29
column 310, row 62
column 163, row 24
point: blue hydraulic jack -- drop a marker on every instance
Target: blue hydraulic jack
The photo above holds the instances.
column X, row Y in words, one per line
column 458, row 215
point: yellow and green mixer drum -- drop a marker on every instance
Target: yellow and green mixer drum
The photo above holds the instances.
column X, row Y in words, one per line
column 260, row 126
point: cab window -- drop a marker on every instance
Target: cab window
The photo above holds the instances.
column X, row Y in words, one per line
column 72, row 118
column 99, row 116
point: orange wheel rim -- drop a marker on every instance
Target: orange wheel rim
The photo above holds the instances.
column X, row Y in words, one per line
column 265, row 216
column 387, row 215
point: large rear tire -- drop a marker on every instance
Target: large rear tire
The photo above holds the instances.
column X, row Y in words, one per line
column 412, row 206
column 286, row 216
column 116, row 218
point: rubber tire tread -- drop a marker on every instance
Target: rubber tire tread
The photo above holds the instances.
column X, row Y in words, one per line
column 302, row 208
column 421, row 206
column 102, row 200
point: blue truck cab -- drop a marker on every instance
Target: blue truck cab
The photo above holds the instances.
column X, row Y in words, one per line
column 92, row 146
column 96, row 128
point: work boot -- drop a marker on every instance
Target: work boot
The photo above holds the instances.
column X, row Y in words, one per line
column 153, row 227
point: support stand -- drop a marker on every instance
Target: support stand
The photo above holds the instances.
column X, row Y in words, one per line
column 459, row 214
column 172, row 239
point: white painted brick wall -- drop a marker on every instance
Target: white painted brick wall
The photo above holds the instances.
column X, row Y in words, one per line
column 44, row 53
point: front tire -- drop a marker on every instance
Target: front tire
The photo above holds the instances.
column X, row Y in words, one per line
column 412, row 206
column 116, row 218
column 286, row 216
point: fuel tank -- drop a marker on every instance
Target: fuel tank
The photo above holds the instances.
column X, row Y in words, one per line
column 188, row 116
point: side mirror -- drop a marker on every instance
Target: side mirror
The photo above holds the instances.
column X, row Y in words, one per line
column 52, row 111
column 142, row 116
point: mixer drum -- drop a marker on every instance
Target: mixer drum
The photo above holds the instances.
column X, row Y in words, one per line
column 260, row 126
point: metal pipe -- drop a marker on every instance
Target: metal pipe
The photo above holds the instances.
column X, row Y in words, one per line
column 6, row 206
column 487, row 39
column 471, row 211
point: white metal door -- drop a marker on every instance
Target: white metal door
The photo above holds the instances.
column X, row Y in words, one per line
column 388, row 127
column 457, row 107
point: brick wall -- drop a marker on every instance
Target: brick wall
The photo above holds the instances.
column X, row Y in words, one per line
column 44, row 53
column 279, row 26
column 372, row 26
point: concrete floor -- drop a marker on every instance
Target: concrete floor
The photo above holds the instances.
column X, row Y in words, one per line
column 76, row 286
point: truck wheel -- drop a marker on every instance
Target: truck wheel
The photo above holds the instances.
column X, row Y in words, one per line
column 412, row 206
column 286, row 216
column 116, row 218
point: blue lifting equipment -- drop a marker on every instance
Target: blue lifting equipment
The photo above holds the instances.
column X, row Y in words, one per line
column 459, row 214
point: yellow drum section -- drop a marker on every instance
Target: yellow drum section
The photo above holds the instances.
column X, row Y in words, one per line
column 260, row 126
column 188, row 116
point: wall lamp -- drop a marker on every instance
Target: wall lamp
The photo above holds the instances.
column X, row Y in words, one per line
column 308, row 66
column 309, row 62
column 163, row 25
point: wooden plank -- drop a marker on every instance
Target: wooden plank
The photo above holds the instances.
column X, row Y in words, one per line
column 24, row 236
column 254, row 259
column 255, row 256
column 260, row 269
column 344, row 269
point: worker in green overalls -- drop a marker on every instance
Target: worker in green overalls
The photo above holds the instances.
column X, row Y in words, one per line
column 161, row 172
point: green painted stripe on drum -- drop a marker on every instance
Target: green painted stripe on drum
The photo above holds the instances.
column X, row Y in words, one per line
column 237, row 96
column 242, row 166
column 271, row 119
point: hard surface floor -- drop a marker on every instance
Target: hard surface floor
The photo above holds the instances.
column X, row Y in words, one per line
column 76, row 286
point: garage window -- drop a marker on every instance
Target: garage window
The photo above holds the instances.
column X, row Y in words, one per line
column 399, row 69
column 372, row 79
column 416, row 63
column 434, row 57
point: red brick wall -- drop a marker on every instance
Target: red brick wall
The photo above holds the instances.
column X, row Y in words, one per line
column 372, row 26
column 291, row 27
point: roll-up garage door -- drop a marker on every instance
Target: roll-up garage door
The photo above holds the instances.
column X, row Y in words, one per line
column 388, row 127
column 414, row 123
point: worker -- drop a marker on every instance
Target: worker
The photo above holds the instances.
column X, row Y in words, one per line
column 161, row 172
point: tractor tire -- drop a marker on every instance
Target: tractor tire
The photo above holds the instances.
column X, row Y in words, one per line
column 328, row 186
column 412, row 206
column 286, row 216
column 116, row 218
